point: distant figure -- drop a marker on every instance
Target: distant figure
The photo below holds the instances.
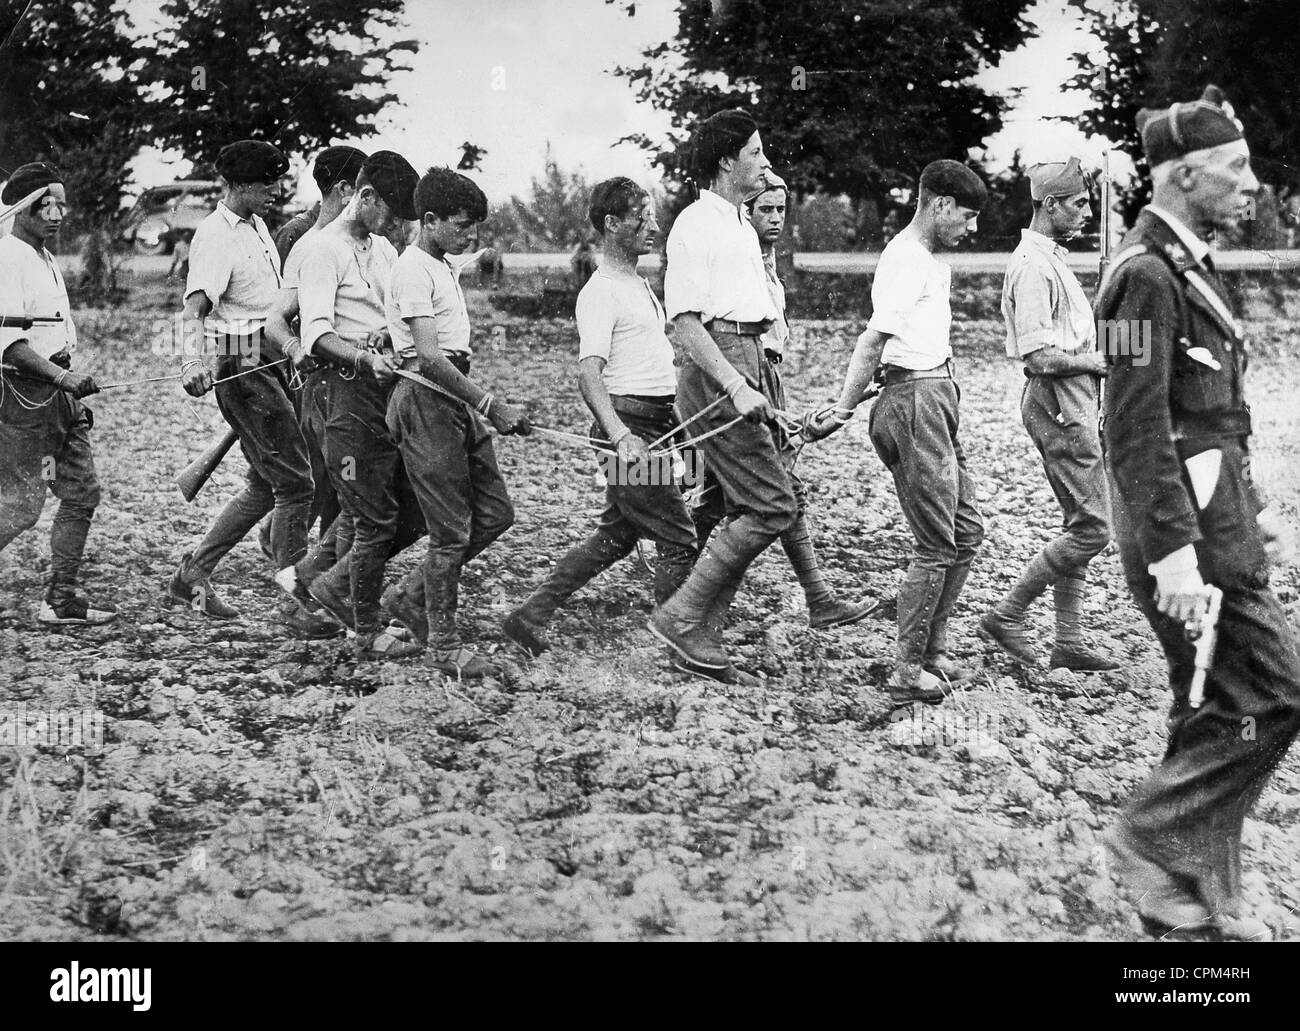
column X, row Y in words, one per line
column 491, row 267
column 180, row 266
column 583, row 263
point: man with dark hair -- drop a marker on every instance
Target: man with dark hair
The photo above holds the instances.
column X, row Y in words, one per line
column 234, row 276
column 335, row 172
column 44, row 428
column 1189, row 514
column 767, row 215
column 440, row 429
column 342, row 286
column 1050, row 328
column 715, row 291
column 914, row 424
column 627, row 378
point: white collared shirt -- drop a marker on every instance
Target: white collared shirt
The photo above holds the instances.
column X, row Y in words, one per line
column 715, row 264
column 234, row 262
column 342, row 286
column 31, row 284
column 621, row 320
column 1197, row 247
column 909, row 303
column 1043, row 304
column 427, row 287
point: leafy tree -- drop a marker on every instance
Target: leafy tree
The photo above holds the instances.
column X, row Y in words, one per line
column 852, row 98
column 66, row 97
column 300, row 73
column 1155, row 52
column 553, row 216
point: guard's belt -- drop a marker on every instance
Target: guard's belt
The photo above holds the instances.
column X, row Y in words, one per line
column 1203, row 425
column 740, row 329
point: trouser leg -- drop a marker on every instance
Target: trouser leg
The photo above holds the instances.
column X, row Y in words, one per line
column 914, row 431
column 77, row 488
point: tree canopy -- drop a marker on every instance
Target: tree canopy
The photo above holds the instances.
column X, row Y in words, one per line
column 852, row 96
column 1156, row 52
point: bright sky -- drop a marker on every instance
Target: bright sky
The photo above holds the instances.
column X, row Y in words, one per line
column 513, row 75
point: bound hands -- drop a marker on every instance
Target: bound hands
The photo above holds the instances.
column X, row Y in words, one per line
column 507, row 419
column 78, row 384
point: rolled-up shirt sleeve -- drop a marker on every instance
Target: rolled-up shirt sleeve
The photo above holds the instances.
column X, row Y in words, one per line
column 1030, row 319
column 319, row 276
column 210, row 264
column 686, row 280
column 895, row 291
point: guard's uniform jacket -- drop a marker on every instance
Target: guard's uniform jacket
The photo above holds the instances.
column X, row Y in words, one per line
column 1177, row 430
column 1176, row 394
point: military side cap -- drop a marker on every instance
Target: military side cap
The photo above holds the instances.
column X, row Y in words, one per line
column 1179, row 129
column 1057, row 179
column 394, row 180
column 29, row 177
column 251, row 161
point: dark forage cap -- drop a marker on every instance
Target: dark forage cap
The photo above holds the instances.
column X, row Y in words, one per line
column 27, row 178
column 394, row 180
column 251, row 161
column 337, row 163
column 1169, row 133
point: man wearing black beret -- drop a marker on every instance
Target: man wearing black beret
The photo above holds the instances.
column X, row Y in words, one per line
column 1188, row 516
column 44, row 428
column 233, row 280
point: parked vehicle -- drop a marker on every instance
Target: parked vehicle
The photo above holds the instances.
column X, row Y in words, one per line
column 163, row 213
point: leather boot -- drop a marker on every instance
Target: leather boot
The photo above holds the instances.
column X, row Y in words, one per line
column 577, row 567
column 936, row 659
column 441, row 595
column 918, row 600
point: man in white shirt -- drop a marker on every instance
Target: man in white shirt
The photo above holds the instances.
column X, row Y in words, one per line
column 1051, row 330
column 715, row 293
column 767, row 215
column 1189, row 514
column 914, row 424
column 335, row 172
column 343, row 282
column 628, row 379
column 44, row 428
column 440, row 429
column 233, row 279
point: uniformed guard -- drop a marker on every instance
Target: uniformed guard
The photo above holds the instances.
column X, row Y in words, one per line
column 914, row 424
column 1187, row 515
column 44, row 427
column 1050, row 329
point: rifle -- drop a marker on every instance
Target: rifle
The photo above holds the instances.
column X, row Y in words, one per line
column 192, row 478
column 1204, row 629
column 1104, row 227
column 25, row 322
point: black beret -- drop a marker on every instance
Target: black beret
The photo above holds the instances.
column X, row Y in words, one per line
column 1179, row 129
column 394, row 180
column 947, row 178
column 251, row 161
column 334, row 164
column 27, row 178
